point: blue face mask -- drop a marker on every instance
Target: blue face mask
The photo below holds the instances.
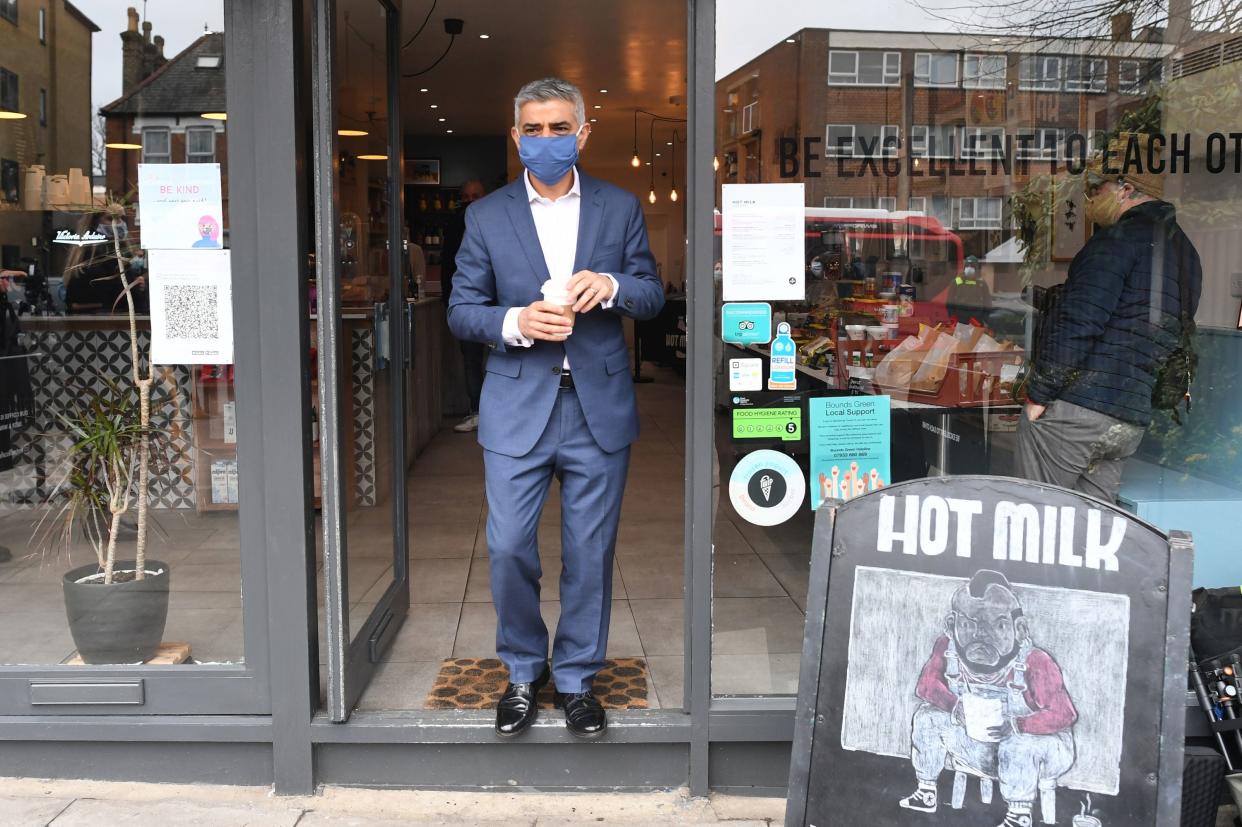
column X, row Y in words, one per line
column 549, row 159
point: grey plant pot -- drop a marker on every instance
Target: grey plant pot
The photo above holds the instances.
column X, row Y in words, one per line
column 120, row 622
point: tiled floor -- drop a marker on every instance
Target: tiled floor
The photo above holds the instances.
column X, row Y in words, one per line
column 760, row 575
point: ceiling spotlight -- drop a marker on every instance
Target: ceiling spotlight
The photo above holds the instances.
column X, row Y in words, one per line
column 424, row 89
column 603, row 91
column 594, row 120
column 215, row 116
column 597, row 106
column 657, row 155
column 668, row 143
column 435, row 106
column 352, row 133
column 788, row 40
column 448, row 132
column 484, row 36
column 121, row 146
column 648, row 163
column 7, row 115
column 372, row 157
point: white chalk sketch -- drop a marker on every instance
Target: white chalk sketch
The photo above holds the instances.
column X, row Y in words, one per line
column 988, row 682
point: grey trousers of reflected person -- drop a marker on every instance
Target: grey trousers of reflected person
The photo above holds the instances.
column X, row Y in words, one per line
column 1077, row 448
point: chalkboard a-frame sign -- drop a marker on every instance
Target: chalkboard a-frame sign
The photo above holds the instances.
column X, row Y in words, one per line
column 987, row 652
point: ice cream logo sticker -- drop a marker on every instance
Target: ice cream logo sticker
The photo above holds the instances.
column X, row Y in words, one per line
column 766, row 487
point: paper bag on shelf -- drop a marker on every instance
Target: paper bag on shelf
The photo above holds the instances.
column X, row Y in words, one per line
column 935, row 362
column 33, row 196
column 57, row 192
column 897, row 369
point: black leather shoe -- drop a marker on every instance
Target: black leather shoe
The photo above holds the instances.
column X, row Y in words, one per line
column 518, row 707
column 584, row 716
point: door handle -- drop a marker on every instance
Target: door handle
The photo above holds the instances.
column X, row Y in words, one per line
column 408, row 338
column 380, row 330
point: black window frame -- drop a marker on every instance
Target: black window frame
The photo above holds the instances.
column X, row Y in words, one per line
column 10, row 79
column 8, row 11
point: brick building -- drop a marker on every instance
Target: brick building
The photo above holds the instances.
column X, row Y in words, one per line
column 171, row 110
column 45, row 107
column 945, row 124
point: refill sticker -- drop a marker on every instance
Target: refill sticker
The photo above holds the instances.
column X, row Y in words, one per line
column 745, row 374
column 767, row 423
column 766, row 487
column 783, row 371
column 746, row 323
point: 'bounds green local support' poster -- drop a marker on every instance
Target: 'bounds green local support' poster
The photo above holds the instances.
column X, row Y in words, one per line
column 850, row 445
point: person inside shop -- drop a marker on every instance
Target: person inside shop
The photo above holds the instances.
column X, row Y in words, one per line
column 91, row 278
column 1106, row 347
column 557, row 399
column 473, row 354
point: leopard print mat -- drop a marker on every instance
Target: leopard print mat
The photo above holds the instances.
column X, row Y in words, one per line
column 478, row 683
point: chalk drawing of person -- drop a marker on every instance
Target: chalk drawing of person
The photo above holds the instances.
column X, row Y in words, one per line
column 209, row 233
column 994, row 705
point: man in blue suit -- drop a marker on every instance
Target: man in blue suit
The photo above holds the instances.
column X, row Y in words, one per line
column 558, row 399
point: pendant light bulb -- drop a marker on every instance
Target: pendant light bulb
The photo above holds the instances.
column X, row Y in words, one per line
column 672, row 196
column 651, row 197
column 715, row 163
column 636, row 161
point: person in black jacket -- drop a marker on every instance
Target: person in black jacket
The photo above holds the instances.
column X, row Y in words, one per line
column 473, row 354
column 1116, row 322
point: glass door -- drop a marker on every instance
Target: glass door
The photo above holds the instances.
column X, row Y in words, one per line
column 362, row 335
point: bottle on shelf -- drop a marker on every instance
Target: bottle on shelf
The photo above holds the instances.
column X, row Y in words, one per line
column 314, row 423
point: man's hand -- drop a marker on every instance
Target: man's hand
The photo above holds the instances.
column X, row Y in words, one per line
column 588, row 289
column 541, row 320
column 1034, row 410
column 1001, row 732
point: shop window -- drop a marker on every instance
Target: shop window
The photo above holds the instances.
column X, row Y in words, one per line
column 983, row 141
column 979, row 213
column 42, row 107
column 1041, row 142
column 846, row 202
column 935, row 69
column 9, row 175
column 8, row 10
column 156, row 145
column 200, row 145
column 1086, row 74
column 862, row 140
column 984, row 71
column 9, row 97
column 863, row 68
column 933, row 141
column 750, row 117
column 1039, row 73
column 935, row 206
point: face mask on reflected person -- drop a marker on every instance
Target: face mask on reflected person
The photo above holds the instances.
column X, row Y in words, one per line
column 817, row 268
column 549, row 158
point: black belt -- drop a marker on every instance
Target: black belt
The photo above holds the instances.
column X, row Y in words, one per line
column 567, row 381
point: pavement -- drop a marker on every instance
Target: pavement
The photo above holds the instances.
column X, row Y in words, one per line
column 38, row 803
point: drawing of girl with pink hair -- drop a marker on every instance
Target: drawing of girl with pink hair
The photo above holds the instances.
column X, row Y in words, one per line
column 209, row 233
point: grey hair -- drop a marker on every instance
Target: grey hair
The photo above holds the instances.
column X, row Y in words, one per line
column 550, row 89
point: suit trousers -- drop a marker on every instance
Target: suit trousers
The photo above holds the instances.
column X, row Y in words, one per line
column 592, row 483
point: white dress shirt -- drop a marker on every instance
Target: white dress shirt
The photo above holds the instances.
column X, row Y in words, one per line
column 556, row 224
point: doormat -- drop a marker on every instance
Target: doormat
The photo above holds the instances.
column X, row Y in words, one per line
column 478, row 683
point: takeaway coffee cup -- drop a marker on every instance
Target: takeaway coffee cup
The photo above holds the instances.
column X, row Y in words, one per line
column 981, row 714
column 555, row 292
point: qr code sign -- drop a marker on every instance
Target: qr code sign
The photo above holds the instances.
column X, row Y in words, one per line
column 190, row 311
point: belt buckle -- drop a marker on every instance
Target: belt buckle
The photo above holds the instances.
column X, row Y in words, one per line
column 567, row 381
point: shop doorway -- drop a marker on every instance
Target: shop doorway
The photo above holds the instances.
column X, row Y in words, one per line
column 408, row 615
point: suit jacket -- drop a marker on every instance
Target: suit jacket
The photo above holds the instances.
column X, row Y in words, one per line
column 501, row 265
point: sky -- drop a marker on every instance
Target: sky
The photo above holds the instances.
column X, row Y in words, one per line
column 745, row 28
column 180, row 22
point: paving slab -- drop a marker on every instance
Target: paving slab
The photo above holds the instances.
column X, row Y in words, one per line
column 86, row 812
column 30, row 812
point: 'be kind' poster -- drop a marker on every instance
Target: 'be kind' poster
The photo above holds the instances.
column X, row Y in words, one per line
column 179, row 206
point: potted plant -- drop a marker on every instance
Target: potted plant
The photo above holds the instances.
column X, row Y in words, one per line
column 116, row 606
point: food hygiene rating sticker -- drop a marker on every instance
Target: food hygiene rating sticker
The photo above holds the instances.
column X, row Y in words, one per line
column 767, row 423
column 766, row 487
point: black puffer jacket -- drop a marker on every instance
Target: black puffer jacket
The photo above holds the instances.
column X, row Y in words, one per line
column 1119, row 316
